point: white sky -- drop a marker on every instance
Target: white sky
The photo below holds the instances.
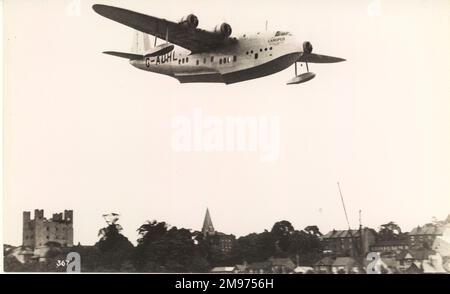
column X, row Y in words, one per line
column 88, row 132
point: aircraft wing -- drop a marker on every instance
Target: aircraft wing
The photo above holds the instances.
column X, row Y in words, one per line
column 316, row 58
column 195, row 40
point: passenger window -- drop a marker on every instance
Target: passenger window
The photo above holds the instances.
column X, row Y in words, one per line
column 234, row 58
column 187, row 59
column 220, row 61
column 198, row 62
column 256, row 55
column 204, row 60
column 212, row 58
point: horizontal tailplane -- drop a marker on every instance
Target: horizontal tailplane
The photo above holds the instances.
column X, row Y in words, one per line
column 129, row 56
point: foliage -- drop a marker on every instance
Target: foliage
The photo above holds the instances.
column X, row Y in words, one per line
column 390, row 231
column 168, row 249
column 115, row 249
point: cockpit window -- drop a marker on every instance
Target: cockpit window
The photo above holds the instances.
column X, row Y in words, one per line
column 280, row 33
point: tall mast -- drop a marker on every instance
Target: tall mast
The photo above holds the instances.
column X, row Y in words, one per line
column 343, row 205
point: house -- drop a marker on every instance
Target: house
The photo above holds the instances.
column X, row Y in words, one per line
column 413, row 269
column 407, row 257
column 224, row 270
column 241, row 268
column 389, row 265
column 303, row 270
column 345, row 265
column 263, row 267
column 348, row 242
column 442, row 243
column 282, row 265
column 390, row 247
column 433, row 265
column 324, row 265
column 272, row 265
column 425, row 236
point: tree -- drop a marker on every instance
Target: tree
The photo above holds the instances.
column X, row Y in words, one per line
column 281, row 232
column 54, row 249
column 168, row 249
column 390, row 231
column 212, row 251
column 152, row 231
column 115, row 249
column 313, row 230
column 306, row 246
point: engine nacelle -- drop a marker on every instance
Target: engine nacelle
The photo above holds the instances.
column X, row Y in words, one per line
column 224, row 30
column 307, row 47
column 190, row 21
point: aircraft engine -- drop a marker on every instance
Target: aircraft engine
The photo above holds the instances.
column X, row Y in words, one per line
column 190, row 21
column 307, row 47
column 224, row 29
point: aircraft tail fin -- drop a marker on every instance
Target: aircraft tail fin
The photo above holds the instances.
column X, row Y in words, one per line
column 141, row 43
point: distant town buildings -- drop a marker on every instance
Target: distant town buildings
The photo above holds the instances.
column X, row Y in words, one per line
column 348, row 242
column 40, row 231
column 425, row 236
column 442, row 243
column 425, row 249
column 223, row 241
column 391, row 247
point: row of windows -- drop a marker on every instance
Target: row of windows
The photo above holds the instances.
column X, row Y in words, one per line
column 221, row 60
column 57, row 237
column 260, row 50
column 48, row 237
column 56, row 229
column 224, row 60
column 65, row 244
column 422, row 237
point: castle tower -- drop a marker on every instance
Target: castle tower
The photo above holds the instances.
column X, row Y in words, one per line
column 40, row 231
column 208, row 228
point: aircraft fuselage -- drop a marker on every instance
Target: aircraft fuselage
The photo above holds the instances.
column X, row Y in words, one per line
column 248, row 58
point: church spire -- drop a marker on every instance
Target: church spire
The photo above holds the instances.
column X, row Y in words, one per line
column 208, row 228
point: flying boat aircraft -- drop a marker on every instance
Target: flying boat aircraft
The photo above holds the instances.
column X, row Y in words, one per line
column 211, row 56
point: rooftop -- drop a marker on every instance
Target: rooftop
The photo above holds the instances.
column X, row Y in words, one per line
column 427, row 230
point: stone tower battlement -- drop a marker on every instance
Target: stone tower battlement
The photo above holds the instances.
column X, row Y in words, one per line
column 39, row 231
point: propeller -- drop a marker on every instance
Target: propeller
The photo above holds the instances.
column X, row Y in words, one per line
column 307, row 49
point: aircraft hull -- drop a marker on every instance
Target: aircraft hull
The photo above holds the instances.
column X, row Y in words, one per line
column 262, row 70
